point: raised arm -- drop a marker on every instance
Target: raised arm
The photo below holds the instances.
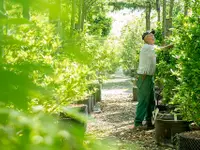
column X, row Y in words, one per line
column 166, row 47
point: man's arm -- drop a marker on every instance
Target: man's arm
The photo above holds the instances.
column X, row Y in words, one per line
column 165, row 47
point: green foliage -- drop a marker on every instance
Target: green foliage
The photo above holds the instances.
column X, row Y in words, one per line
column 64, row 68
column 43, row 46
column 178, row 70
column 166, row 65
column 98, row 23
column 165, row 77
column 15, row 87
column 43, row 70
column 132, row 43
column 188, row 68
column 37, row 130
column 129, row 5
column 101, row 25
column 158, row 34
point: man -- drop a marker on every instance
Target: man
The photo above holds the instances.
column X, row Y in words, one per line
column 145, row 82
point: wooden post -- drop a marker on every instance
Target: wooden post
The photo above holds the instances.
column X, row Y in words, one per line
column 158, row 9
column 148, row 16
column 164, row 19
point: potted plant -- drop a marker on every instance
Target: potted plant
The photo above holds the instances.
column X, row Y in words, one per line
column 167, row 125
column 73, row 119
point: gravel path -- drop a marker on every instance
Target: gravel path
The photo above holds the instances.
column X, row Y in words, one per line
column 118, row 111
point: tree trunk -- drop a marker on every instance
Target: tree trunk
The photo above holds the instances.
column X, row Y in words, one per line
column 54, row 10
column 168, row 26
column 73, row 17
column 2, row 15
column 26, row 9
column 158, row 9
column 83, row 14
column 169, row 20
column 171, row 9
column 2, row 7
column 148, row 16
column 186, row 8
column 79, row 15
column 164, row 19
column 56, row 17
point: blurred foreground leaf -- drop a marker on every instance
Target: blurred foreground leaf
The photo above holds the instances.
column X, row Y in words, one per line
column 16, row 87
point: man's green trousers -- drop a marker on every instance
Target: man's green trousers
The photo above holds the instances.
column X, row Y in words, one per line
column 145, row 97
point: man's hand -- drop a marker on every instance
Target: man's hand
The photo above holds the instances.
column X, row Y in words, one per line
column 143, row 77
column 167, row 47
column 170, row 46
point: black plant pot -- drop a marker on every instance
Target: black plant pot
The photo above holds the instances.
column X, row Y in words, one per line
column 189, row 141
column 162, row 108
column 97, row 86
column 73, row 125
column 88, row 101
column 166, row 127
column 98, row 92
column 167, row 108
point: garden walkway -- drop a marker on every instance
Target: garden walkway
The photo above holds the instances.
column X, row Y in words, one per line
column 118, row 111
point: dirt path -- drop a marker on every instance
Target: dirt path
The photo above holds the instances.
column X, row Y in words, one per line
column 118, row 111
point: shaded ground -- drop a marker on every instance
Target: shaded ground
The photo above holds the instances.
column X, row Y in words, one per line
column 118, row 111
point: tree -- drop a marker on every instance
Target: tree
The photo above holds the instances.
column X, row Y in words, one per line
column 164, row 19
column 2, row 15
column 148, row 16
column 83, row 14
column 78, row 25
column 171, row 8
column 73, row 13
column 186, row 6
column 158, row 9
column 26, row 9
column 170, row 19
